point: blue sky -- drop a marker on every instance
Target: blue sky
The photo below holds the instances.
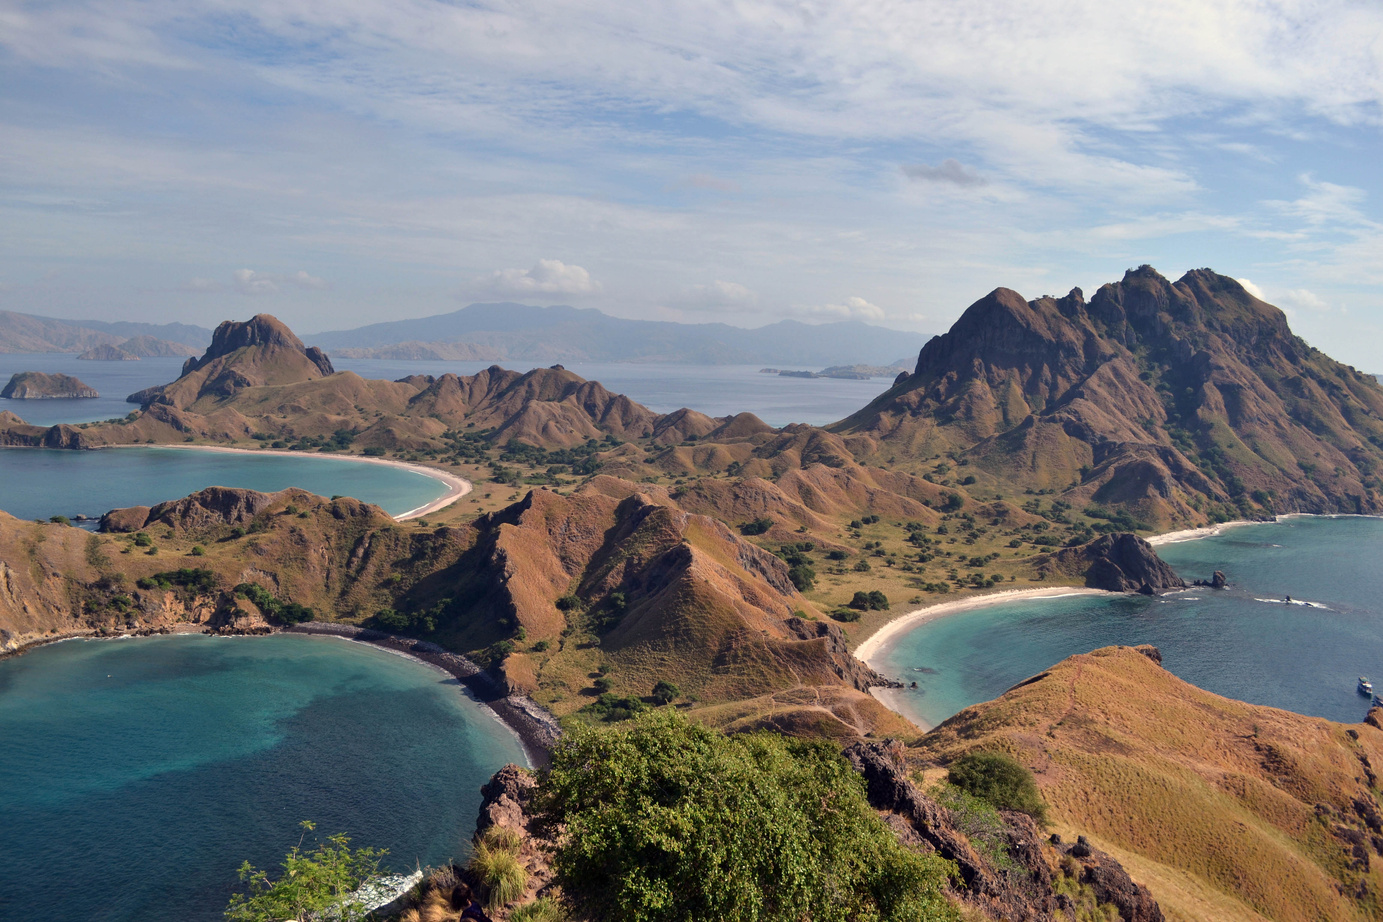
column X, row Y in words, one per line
column 337, row 162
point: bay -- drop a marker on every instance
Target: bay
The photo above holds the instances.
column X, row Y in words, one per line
column 114, row 381
column 36, row 483
column 1244, row 642
column 136, row 775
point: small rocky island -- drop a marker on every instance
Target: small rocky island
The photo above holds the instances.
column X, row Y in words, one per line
column 35, row 385
column 107, row 353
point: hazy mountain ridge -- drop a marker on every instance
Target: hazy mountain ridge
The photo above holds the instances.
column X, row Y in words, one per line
column 523, row 333
column 21, row 333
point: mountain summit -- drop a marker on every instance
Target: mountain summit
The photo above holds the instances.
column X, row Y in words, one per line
column 1178, row 399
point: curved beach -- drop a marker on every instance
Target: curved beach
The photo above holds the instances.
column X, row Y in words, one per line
column 457, row 487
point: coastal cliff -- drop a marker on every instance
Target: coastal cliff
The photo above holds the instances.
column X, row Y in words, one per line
column 35, row 385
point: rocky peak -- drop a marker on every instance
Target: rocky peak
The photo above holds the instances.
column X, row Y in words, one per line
column 259, row 330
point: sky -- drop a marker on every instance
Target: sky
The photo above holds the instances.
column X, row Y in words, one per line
column 340, row 162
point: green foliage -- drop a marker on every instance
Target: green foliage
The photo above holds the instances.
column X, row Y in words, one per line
column 142, row 539
column 980, row 822
column 570, row 603
column 197, row 580
column 803, row 577
column 611, row 708
column 198, row 551
column 669, row 821
column 874, row 600
column 542, row 910
column 953, row 503
column 541, row 646
column 273, row 608
column 59, row 520
column 495, row 862
column 314, row 884
column 374, row 451
column 1085, row 906
column 999, row 780
column 756, row 527
column 665, row 692
column 845, row 614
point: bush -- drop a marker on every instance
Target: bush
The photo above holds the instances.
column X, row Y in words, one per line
column 756, row 527
column 845, row 614
column 314, row 884
column 803, row 577
column 665, row 692
column 198, row 551
column 999, row 780
column 495, row 863
column 543, row 910
column 59, row 520
column 669, row 820
column 142, row 539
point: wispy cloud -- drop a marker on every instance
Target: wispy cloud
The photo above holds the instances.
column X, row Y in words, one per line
column 950, row 171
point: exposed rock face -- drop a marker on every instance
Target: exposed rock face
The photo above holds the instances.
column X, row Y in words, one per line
column 212, row 506
column 1138, row 397
column 1216, row 581
column 35, row 385
column 1121, row 563
column 507, row 803
column 107, row 353
column 1027, row 895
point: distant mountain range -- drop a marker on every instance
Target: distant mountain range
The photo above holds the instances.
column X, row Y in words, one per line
column 30, row 333
column 543, row 335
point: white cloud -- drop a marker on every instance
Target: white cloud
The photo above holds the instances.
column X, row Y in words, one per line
column 549, row 276
column 253, row 284
column 1252, row 289
column 302, row 280
column 852, row 308
column 1302, row 299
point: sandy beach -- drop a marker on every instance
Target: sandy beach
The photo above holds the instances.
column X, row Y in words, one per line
column 1191, row 534
column 877, row 642
column 456, row 486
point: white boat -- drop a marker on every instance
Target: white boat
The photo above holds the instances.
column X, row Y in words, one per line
column 1365, row 686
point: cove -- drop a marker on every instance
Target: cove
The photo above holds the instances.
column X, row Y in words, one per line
column 39, row 483
column 1243, row 642
column 136, row 775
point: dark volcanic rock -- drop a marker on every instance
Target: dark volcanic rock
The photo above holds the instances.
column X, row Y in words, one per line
column 850, row 670
column 1123, row 563
column 1216, row 581
column 1112, row 884
column 35, row 385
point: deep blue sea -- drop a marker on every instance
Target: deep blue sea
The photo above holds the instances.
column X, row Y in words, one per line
column 1244, row 642
column 37, row 483
column 136, row 775
column 717, row 390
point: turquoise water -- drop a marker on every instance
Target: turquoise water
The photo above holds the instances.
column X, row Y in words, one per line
column 1243, row 642
column 136, row 775
column 38, row 483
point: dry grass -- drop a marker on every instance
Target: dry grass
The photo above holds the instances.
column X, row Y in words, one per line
column 495, row 862
column 1209, row 801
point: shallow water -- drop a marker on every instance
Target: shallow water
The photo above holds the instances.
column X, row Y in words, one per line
column 136, row 775
column 1243, row 642
column 38, row 483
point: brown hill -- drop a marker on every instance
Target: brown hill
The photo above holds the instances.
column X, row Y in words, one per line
column 1182, row 401
column 35, row 385
column 26, row 333
column 107, row 353
column 1225, row 810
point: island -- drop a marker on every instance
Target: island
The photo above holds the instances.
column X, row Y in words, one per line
column 107, row 353
column 35, row 385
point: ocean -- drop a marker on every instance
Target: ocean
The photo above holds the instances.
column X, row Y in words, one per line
column 136, row 775
column 1244, row 642
column 38, row 483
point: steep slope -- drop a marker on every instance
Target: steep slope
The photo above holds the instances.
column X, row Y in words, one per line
column 1225, row 810
column 1182, row 401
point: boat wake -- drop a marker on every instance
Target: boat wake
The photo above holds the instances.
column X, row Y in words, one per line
column 1302, row 602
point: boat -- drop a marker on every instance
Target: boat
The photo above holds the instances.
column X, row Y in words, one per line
column 1365, row 686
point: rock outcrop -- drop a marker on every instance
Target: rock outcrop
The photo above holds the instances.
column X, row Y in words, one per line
column 35, row 385
column 206, row 508
column 1120, row 563
column 1217, row 581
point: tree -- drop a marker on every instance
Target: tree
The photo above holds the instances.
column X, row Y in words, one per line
column 1000, row 780
column 665, row 692
column 669, row 821
column 323, row 879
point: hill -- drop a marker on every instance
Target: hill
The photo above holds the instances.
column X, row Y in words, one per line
column 1226, row 810
column 32, row 333
column 1181, row 402
column 523, row 333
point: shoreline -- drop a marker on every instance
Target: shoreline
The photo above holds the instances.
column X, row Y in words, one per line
column 457, row 487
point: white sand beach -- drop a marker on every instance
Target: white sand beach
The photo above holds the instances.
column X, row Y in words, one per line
column 877, row 642
column 1191, row 534
column 457, row 487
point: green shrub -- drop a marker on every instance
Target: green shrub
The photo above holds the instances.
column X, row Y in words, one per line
column 802, row 576
column 59, row 520
column 198, row 551
column 669, row 820
column 541, row 646
column 495, row 863
column 1000, row 780
column 665, row 692
column 756, row 527
column 845, row 614
column 142, row 539
column 316, row 884
column 544, row 910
